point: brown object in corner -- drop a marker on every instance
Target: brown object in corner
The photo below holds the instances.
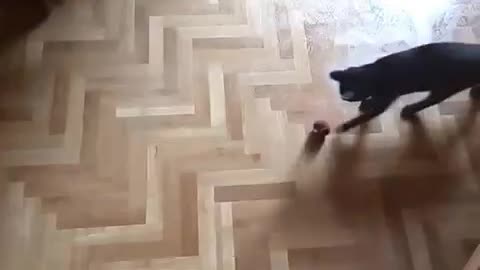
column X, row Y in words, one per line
column 18, row 17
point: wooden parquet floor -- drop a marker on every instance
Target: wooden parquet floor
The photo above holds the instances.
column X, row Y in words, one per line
column 169, row 134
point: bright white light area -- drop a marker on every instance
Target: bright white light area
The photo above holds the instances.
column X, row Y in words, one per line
column 426, row 8
column 422, row 12
column 419, row 14
column 421, row 8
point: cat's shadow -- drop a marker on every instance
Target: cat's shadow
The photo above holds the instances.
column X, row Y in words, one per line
column 355, row 176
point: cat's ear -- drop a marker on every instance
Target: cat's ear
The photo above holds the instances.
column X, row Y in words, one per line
column 337, row 75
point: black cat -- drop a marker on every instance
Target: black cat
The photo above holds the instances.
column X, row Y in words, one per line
column 442, row 69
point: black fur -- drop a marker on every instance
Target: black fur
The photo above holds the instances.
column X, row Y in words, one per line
column 442, row 69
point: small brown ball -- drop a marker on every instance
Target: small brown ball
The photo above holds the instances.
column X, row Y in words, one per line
column 321, row 127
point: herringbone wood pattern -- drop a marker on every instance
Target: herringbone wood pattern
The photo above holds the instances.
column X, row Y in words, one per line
column 168, row 134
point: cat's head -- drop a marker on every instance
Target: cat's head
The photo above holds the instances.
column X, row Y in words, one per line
column 356, row 83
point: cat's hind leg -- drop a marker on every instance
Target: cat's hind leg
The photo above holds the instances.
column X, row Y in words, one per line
column 409, row 111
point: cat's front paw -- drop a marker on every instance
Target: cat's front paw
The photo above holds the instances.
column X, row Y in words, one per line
column 367, row 106
column 341, row 128
column 408, row 113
